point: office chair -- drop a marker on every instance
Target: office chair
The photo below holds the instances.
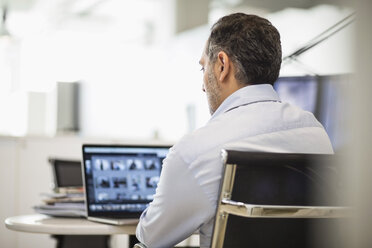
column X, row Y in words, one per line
column 279, row 200
column 139, row 245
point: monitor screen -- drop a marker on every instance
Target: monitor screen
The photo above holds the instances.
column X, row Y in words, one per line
column 321, row 95
column 333, row 109
column 121, row 178
column 299, row 91
column 67, row 173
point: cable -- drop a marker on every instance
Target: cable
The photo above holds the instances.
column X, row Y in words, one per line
column 322, row 36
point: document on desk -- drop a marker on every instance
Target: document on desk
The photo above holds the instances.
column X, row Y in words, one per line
column 62, row 204
column 61, row 210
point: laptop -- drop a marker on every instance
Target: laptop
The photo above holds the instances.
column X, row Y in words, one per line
column 66, row 174
column 120, row 180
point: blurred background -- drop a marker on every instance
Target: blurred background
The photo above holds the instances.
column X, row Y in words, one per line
column 121, row 71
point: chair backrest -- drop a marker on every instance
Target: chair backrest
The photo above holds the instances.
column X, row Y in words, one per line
column 299, row 180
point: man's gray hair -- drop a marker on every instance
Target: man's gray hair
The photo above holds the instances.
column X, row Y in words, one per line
column 253, row 45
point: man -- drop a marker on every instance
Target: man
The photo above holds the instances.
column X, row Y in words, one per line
column 240, row 63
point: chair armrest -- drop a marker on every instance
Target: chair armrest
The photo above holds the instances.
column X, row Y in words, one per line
column 275, row 211
column 139, row 245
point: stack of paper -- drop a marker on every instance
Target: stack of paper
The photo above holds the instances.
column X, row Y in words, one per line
column 67, row 204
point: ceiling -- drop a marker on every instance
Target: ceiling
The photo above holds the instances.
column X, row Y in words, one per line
column 276, row 5
column 183, row 14
column 268, row 5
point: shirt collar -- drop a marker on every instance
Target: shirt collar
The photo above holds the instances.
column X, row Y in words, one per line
column 247, row 95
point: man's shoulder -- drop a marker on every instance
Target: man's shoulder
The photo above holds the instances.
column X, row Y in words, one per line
column 246, row 123
column 195, row 143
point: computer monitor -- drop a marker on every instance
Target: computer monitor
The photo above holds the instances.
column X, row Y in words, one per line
column 334, row 110
column 324, row 97
column 299, row 91
column 67, row 173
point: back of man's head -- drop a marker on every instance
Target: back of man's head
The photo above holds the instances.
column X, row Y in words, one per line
column 253, row 45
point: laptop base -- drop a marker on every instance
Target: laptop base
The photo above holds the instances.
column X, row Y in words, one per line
column 113, row 221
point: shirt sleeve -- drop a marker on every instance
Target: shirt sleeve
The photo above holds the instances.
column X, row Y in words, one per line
column 179, row 207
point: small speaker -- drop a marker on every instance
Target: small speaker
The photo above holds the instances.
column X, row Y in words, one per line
column 68, row 107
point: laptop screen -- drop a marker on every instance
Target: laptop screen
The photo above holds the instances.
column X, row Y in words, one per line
column 67, row 173
column 120, row 181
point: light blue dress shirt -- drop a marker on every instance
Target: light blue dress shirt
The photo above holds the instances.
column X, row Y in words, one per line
column 252, row 119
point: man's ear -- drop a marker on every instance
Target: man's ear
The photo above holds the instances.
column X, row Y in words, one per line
column 222, row 66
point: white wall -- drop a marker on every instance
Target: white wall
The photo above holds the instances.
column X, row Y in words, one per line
column 8, row 188
column 24, row 174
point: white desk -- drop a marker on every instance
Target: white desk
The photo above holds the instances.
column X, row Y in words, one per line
column 38, row 223
column 43, row 224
